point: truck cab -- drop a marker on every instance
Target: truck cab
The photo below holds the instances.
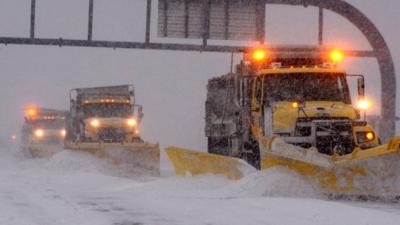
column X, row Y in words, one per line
column 105, row 122
column 43, row 131
column 302, row 98
column 44, row 125
column 105, row 114
column 311, row 107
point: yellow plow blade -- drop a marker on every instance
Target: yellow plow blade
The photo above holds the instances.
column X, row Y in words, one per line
column 392, row 147
column 371, row 172
column 145, row 156
column 197, row 163
column 43, row 150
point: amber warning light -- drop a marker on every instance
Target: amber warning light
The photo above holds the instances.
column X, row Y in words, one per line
column 336, row 56
column 31, row 112
column 259, row 55
column 256, row 55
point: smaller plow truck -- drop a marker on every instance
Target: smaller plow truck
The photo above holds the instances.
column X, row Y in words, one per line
column 105, row 121
column 293, row 110
column 43, row 131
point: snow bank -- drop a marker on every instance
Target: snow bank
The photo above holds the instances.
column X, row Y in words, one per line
column 69, row 161
column 78, row 188
column 72, row 161
column 275, row 182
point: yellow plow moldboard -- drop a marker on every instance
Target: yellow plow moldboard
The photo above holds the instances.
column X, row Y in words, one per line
column 43, row 150
column 144, row 156
column 364, row 172
column 197, row 163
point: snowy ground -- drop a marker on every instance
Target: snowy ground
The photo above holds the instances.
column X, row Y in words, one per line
column 75, row 188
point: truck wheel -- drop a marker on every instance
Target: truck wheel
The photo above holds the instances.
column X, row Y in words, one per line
column 252, row 154
column 218, row 146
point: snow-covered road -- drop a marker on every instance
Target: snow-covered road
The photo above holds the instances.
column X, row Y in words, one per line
column 75, row 188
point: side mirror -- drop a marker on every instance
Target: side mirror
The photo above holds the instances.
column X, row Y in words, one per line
column 71, row 103
column 361, row 86
column 140, row 112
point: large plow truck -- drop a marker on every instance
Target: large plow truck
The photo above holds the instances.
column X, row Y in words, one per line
column 43, row 131
column 294, row 111
column 105, row 121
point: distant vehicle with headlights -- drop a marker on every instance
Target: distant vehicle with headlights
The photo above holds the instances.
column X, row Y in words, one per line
column 43, row 131
column 106, row 121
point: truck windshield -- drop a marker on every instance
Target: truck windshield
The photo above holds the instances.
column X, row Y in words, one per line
column 307, row 87
column 48, row 124
column 107, row 110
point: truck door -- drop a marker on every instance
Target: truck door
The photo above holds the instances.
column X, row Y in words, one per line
column 257, row 103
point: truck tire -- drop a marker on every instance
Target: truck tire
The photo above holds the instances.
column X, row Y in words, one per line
column 252, row 154
column 219, row 146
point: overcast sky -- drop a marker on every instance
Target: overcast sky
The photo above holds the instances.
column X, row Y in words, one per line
column 170, row 85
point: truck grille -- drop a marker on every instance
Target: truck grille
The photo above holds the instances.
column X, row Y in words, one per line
column 329, row 136
column 112, row 134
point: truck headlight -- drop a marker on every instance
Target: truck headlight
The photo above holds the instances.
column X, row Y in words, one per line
column 370, row 136
column 94, row 123
column 363, row 104
column 131, row 122
column 365, row 136
column 39, row 133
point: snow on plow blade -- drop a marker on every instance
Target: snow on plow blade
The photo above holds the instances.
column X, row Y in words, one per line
column 370, row 172
column 197, row 163
column 142, row 156
column 43, row 150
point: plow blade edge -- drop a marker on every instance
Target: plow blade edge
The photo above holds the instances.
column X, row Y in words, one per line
column 143, row 156
column 197, row 163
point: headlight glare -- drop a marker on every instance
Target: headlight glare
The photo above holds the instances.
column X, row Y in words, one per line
column 63, row 132
column 363, row 137
column 131, row 122
column 39, row 133
column 94, row 123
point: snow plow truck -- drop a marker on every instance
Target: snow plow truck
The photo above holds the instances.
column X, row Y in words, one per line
column 43, row 131
column 294, row 110
column 105, row 121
